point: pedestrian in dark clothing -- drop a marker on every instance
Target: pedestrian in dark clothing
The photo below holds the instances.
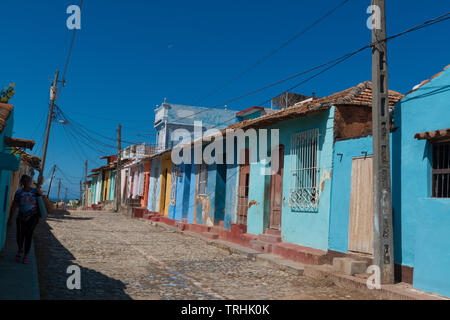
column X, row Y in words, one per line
column 26, row 199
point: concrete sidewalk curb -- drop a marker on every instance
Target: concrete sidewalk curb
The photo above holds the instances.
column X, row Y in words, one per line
column 401, row 291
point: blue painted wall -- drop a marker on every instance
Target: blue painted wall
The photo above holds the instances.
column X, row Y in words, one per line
column 5, row 180
column 419, row 220
column 182, row 194
column 231, row 199
column 192, row 188
column 299, row 227
column 155, row 172
column 432, row 248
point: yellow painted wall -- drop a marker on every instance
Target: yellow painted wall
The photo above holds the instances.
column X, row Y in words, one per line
column 166, row 181
column 107, row 182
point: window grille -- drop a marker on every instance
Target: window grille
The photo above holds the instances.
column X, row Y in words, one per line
column 304, row 192
column 441, row 170
column 202, row 179
column 173, row 186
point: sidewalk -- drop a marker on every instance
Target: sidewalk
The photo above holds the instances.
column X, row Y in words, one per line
column 17, row 280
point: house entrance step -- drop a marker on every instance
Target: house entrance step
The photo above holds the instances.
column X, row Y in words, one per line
column 269, row 238
column 349, row 266
column 211, row 235
column 273, row 232
column 261, row 246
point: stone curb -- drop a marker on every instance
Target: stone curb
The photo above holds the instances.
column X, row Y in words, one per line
column 401, row 291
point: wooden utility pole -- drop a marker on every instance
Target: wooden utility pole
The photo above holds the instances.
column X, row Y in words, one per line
column 59, row 188
column 53, row 97
column 81, row 191
column 118, row 172
column 382, row 206
column 85, row 183
column 51, row 180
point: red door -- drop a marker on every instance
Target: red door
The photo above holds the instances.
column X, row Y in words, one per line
column 243, row 189
column 276, row 192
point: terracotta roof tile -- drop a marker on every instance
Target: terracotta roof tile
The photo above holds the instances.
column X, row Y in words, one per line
column 429, row 135
column 358, row 95
column 5, row 111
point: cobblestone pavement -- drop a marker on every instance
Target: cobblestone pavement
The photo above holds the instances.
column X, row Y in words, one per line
column 123, row 258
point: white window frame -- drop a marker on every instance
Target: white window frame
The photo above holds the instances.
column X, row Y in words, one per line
column 304, row 172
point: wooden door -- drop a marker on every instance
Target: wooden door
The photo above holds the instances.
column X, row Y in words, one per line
column 162, row 192
column 276, row 192
column 243, row 189
column 361, row 206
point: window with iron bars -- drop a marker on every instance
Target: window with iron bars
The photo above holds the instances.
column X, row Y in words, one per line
column 440, row 180
column 202, row 179
column 304, row 192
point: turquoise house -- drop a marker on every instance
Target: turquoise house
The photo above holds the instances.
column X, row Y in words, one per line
column 421, row 184
column 8, row 163
column 303, row 202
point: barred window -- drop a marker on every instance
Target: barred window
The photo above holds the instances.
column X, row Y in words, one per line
column 173, row 186
column 304, row 193
column 202, row 179
column 441, row 170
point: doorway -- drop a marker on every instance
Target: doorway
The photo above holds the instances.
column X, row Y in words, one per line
column 276, row 191
column 361, row 206
column 243, row 189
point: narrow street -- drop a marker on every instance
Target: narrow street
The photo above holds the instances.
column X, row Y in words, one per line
column 122, row 258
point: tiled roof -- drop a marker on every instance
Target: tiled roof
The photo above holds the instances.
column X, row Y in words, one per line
column 358, row 95
column 20, row 143
column 31, row 160
column 429, row 135
column 5, row 111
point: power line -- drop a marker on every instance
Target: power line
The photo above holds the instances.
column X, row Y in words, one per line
column 333, row 63
column 428, row 23
column 273, row 52
column 84, row 129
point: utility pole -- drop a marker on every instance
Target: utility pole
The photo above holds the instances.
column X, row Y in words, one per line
column 118, row 172
column 85, row 183
column 51, row 180
column 81, row 192
column 53, row 97
column 382, row 205
column 59, row 188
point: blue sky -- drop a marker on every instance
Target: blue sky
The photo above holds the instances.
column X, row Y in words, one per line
column 130, row 55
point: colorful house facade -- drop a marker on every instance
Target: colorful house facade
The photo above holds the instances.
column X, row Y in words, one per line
column 421, row 184
column 10, row 164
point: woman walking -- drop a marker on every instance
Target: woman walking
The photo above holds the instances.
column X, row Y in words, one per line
column 27, row 219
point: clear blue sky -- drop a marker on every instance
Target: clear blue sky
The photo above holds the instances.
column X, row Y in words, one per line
column 130, row 55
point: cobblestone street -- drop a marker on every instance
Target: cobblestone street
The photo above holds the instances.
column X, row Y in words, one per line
column 122, row 258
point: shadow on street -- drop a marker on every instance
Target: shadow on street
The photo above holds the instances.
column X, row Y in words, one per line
column 53, row 259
